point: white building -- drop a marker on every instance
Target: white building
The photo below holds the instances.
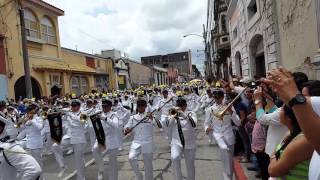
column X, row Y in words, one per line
column 254, row 37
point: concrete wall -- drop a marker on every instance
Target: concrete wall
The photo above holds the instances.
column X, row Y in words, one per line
column 263, row 24
column 298, row 31
column 139, row 74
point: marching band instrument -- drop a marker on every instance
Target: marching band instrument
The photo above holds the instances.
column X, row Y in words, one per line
column 221, row 113
column 22, row 121
column 175, row 112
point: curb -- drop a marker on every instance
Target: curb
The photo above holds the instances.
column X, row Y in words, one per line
column 238, row 171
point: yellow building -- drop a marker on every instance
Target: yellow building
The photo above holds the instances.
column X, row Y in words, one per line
column 54, row 70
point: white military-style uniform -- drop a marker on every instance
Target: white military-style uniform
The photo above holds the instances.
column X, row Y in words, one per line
column 10, row 120
column 223, row 134
column 17, row 164
column 123, row 116
column 142, row 143
column 163, row 115
column 189, row 149
column 78, row 141
column 192, row 102
column 34, row 142
column 46, row 135
column 57, row 148
column 89, row 127
column 110, row 123
column 207, row 103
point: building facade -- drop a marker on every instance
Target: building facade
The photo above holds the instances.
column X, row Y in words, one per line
column 299, row 35
column 160, row 75
column 180, row 61
column 54, row 70
column 140, row 75
column 254, row 37
column 217, row 39
column 267, row 33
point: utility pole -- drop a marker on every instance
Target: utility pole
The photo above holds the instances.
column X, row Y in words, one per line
column 26, row 65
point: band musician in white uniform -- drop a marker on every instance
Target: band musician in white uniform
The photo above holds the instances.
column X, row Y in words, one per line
column 143, row 140
column 222, row 131
column 166, row 103
column 78, row 138
column 183, row 139
column 110, row 123
column 15, row 162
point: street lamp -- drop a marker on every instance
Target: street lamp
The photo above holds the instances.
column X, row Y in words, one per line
column 192, row 35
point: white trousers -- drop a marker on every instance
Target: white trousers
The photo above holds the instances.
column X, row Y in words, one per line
column 79, row 160
column 47, row 141
column 98, row 154
column 57, row 150
column 226, row 157
column 189, row 156
column 37, row 155
column 92, row 137
column 147, row 160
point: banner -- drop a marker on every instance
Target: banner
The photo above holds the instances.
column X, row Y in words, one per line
column 98, row 129
column 55, row 123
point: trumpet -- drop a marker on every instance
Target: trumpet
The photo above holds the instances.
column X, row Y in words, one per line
column 221, row 113
column 44, row 114
column 83, row 117
column 174, row 112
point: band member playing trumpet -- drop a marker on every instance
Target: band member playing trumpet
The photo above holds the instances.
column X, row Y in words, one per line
column 219, row 125
column 182, row 125
column 33, row 127
column 78, row 138
column 143, row 140
column 110, row 123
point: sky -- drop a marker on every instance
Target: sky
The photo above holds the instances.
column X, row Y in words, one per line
column 135, row 27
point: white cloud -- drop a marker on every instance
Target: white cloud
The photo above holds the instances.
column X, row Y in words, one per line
column 139, row 28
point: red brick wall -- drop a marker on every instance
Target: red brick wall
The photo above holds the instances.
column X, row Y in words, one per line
column 90, row 62
column 2, row 57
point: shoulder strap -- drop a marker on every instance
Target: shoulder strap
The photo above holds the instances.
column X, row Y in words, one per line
column 6, row 159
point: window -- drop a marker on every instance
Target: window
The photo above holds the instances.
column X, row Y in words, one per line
column 48, row 32
column 79, row 85
column 235, row 33
column 252, row 9
column 55, row 79
column 31, row 24
column 224, row 24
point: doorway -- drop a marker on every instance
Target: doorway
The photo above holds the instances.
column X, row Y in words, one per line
column 20, row 88
column 260, row 67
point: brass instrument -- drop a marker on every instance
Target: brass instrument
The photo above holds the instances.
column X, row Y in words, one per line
column 22, row 121
column 174, row 112
column 83, row 117
column 44, row 114
column 221, row 113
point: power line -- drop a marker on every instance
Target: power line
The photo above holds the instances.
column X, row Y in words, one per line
column 88, row 35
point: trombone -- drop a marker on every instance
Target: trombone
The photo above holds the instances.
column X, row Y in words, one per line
column 221, row 113
column 22, row 121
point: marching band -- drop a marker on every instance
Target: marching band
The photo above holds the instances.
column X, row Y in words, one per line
column 99, row 122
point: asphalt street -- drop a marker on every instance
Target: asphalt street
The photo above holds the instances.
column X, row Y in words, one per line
column 208, row 163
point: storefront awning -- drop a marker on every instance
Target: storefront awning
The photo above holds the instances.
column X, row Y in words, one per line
column 60, row 66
